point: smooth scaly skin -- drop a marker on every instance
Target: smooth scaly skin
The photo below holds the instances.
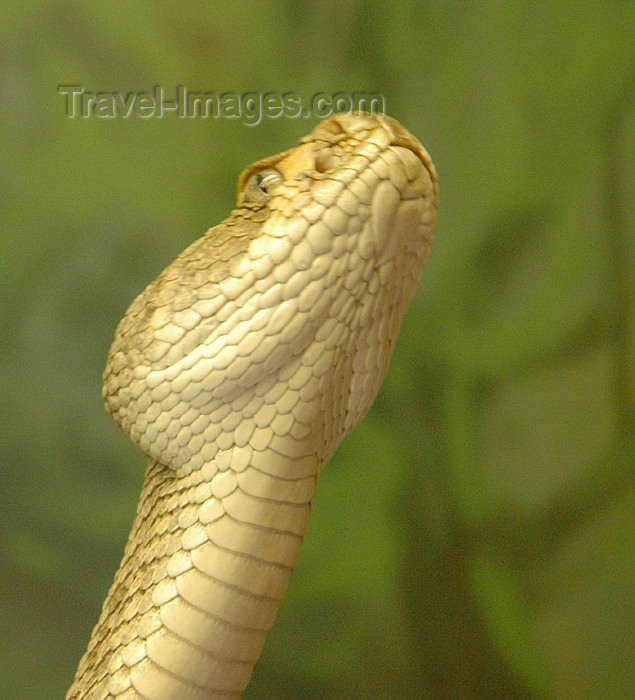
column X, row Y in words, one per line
column 238, row 371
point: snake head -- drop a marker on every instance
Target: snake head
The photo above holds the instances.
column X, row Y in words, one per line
column 299, row 294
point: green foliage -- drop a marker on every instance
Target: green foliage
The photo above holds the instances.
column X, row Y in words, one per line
column 473, row 537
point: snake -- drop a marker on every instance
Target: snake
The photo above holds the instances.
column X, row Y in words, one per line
column 238, row 371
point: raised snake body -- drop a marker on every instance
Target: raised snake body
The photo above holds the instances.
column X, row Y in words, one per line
column 238, row 371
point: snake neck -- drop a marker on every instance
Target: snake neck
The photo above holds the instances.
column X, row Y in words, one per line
column 212, row 549
column 207, row 563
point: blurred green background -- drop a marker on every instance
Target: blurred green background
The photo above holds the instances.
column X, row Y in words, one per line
column 474, row 536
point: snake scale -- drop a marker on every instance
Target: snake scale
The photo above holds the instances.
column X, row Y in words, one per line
column 238, row 371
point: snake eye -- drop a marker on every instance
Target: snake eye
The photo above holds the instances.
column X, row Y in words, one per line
column 261, row 185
